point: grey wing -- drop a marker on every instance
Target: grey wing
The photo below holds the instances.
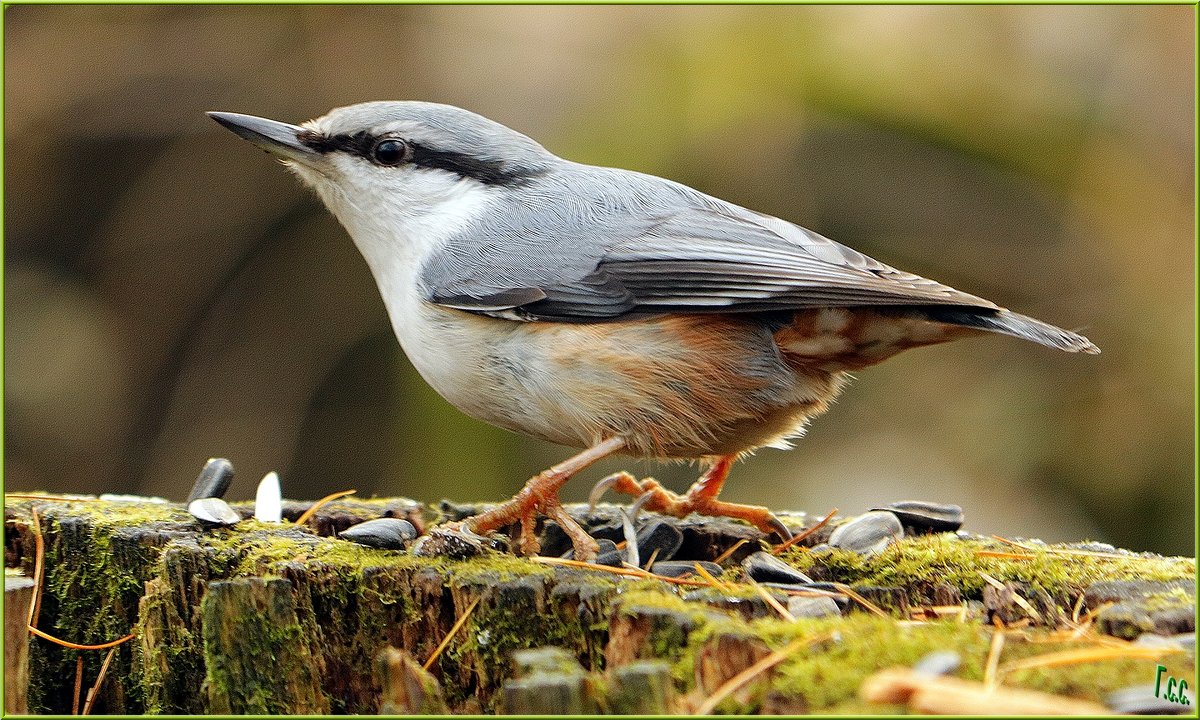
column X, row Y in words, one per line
column 690, row 253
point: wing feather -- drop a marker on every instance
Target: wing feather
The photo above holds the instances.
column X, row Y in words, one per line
column 646, row 245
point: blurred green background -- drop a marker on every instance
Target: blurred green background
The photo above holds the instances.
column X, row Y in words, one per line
column 171, row 294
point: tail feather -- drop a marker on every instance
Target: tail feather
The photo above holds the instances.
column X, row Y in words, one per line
column 1015, row 324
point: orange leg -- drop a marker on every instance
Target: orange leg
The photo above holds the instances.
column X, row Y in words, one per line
column 540, row 496
column 700, row 498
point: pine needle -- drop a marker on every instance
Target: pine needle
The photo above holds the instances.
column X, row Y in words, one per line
column 39, row 566
column 1004, row 555
column 76, row 646
column 770, row 600
column 91, row 696
column 849, row 592
column 1088, row 655
column 789, row 543
column 627, row 571
column 732, row 549
column 53, row 498
column 450, row 635
column 1064, row 551
column 708, row 577
column 318, row 504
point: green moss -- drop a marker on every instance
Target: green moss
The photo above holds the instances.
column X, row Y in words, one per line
column 248, row 622
column 920, row 563
column 826, row 676
column 829, row 674
column 496, row 567
column 98, row 557
column 109, row 515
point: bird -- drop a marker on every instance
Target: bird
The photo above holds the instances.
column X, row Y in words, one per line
column 605, row 309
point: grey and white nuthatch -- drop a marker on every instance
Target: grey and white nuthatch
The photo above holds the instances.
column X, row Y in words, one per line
column 607, row 309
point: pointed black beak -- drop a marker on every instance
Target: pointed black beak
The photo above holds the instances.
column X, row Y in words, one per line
column 280, row 139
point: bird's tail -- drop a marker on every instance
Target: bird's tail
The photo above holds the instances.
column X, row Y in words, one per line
column 1017, row 325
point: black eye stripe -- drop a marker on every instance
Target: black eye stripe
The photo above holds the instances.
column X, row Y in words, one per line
column 359, row 143
column 485, row 170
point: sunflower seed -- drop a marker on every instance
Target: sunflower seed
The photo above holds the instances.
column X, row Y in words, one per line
column 214, row 511
column 383, row 533
column 867, row 534
column 214, row 479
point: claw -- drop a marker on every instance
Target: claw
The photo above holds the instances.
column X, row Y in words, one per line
column 779, row 528
column 631, row 547
column 637, row 505
column 605, row 485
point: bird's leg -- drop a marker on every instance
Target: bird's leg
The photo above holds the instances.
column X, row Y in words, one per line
column 540, row 496
column 700, row 498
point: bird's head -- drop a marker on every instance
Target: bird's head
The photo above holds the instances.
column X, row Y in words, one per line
column 387, row 162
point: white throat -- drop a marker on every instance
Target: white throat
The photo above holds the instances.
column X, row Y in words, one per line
column 397, row 230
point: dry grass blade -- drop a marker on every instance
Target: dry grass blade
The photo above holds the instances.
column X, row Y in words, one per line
column 1064, row 551
column 710, row 579
column 850, row 593
column 627, row 571
column 450, row 635
column 1088, row 655
column 738, row 681
column 785, row 545
column 78, row 684
column 91, row 696
column 732, row 549
column 770, row 600
column 39, row 566
column 991, row 581
column 993, row 658
column 320, row 503
column 76, row 646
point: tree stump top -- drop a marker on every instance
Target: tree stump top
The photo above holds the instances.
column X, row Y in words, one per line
column 267, row 618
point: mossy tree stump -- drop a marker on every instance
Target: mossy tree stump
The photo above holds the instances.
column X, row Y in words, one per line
column 262, row 618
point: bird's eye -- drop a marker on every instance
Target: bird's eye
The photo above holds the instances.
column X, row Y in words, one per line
column 390, row 151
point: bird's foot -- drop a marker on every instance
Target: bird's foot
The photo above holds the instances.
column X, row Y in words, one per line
column 698, row 499
column 526, row 507
column 539, row 497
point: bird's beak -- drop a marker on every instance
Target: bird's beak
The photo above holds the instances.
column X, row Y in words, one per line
column 279, row 139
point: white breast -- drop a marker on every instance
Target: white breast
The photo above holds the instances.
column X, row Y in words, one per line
column 449, row 348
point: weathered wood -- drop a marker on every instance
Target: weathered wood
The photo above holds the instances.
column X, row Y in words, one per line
column 18, row 596
column 249, row 622
column 642, row 687
column 406, row 688
column 279, row 618
column 549, row 681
